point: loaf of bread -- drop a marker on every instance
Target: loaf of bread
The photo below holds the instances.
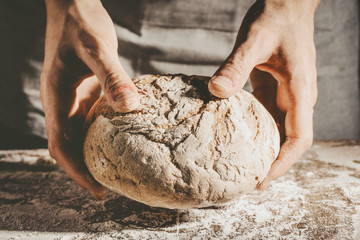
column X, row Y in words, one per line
column 183, row 147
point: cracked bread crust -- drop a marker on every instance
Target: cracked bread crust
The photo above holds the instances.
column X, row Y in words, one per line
column 183, row 148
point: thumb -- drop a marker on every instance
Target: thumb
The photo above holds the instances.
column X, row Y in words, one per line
column 120, row 91
column 118, row 88
column 233, row 73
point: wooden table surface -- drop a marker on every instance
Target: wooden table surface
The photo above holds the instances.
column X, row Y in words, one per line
column 319, row 198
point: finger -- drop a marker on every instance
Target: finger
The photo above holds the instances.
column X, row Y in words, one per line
column 299, row 132
column 64, row 142
column 66, row 150
column 87, row 93
column 69, row 159
column 100, row 55
column 118, row 88
column 265, row 90
column 262, row 79
column 234, row 72
column 290, row 151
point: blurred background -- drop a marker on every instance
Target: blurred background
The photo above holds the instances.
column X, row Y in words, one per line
column 161, row 36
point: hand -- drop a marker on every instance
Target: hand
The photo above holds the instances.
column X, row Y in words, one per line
column 275, row 47
column 80, row 42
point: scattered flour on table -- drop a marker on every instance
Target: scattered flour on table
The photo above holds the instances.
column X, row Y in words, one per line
column 45, row 204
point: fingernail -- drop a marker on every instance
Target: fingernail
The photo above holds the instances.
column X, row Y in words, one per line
column 221, row 87
column 264, row 184
column 222, row 83
column 99, row 194
column 259, row 187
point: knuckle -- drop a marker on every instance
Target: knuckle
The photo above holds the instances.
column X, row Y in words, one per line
column 111, row 81
column 237, row 65
column 118, row 89
column 112, row 87
column 234, row 70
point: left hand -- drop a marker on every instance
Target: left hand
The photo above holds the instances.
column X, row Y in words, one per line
column 81, row 58
column 275, row 48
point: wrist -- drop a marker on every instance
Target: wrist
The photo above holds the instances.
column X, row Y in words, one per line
column 295, row 6
column 292, row 11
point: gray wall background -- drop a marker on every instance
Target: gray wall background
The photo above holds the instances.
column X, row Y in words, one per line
column 188, row 36
column 337, row 112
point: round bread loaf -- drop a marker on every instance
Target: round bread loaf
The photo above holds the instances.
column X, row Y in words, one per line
column 183, row 148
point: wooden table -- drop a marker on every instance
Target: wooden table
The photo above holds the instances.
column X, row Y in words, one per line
column 319, row 198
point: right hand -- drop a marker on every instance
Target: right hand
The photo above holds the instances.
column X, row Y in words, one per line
column 80, row 42
column 275, row 47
